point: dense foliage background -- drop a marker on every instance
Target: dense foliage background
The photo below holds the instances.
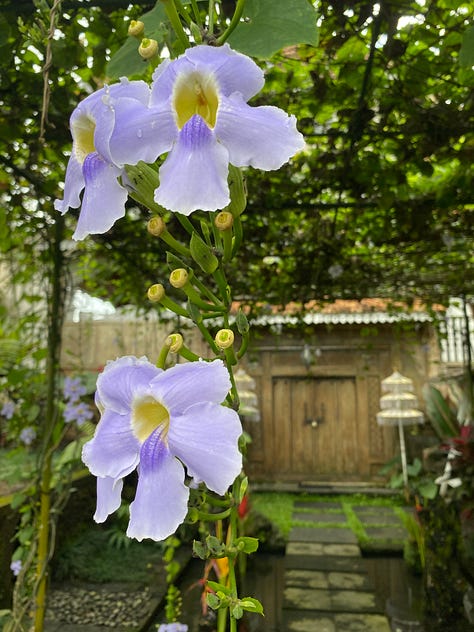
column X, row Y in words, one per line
column 380, row 204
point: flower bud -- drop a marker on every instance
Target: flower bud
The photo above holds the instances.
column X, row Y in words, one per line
column 148, row 48
column 179, row 278
column 224, row 338
column 175, row 342
column 136, row 28
column 156, row 226
column 223, row 220
column 155, row 293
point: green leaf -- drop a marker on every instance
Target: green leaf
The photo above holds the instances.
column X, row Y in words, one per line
column 428, row 489
column 251, row 604
column 247, row 544
column 202, row 254
column 218, row 588
column 127, row 61
column 442, row 417
column 466, row 52
column 273, row 24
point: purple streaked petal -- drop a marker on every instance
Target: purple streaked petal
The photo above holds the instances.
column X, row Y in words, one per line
column 109, row 497
column 114, row 451
column 205, row 438
column 264, row 137
column 73, row 186
column 161, row 500
column 185, row 384
column 104, row 198
column 194, row 175
column 124, row 379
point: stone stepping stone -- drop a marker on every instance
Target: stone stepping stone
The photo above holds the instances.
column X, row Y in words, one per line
column 337, row 517
column 387, row 534
column 322, row 534
column 324, row 622
column 326, row 563
column 329, row 580
column 330, row 600
column 313, row 549
column 316, row 505
column 367, row 512
column 374, row 519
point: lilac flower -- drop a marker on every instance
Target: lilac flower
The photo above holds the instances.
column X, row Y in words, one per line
column 201, row 117
column 173, row 627
column 28, row 435
column 78, row 412
column 73, row 389
column 161, row 421
column 16, row 567
column 8, row 409
column 106, row 129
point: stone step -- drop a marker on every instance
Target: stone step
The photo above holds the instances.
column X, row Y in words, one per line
column 297, row 621
column 328, row 535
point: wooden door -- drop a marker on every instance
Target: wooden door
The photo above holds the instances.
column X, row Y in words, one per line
column 315, row 427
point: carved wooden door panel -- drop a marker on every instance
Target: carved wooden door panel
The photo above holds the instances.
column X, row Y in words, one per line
column 315, row 427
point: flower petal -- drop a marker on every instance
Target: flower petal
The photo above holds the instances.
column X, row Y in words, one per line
column 114, row 451
column 161, row 500
column 205, row 438
column 264, row 137
column 122, row 380
column 104, row 198
column 73, row 185
column 109, row 497
column 233, row 71
column 141, row 133
column 194, row 175
column 184, row 385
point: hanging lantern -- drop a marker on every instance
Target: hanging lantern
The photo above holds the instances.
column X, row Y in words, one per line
column 399, row 408
column 247, row 396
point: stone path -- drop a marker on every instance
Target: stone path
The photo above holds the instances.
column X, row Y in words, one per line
column 327, row 587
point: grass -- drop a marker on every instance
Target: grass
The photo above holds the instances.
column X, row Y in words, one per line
column 278, row 508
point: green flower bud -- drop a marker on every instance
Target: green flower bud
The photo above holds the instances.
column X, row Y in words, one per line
column 156, row 293
column 224, row 338
column 224, row 220
column 136, row 29
column 148, row 48
column 156, row 226
column 179, row 278
column 175, row 342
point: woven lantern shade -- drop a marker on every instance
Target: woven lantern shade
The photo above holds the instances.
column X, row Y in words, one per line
column 399, row 408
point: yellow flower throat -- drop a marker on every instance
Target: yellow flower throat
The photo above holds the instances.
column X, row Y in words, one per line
column 194, row 94
column 147, row 415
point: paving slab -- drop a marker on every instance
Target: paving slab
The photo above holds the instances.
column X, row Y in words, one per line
column 319, row 516
column 340, row 563
column 328, row 535
column 326, row 579
column 337, row 601
column 316, row 505
column 322, row 548
column 387, row 534
column 295, row 621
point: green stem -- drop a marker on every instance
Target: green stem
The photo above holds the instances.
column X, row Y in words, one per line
column 175, row 244
column 233, row 23
column 213, row 517
column 197, row 14
column 173, row 17
column 55, row 318
column 238, row 234
column 182, row 11
column 211, row 17
column 185, row 223
column 160, row 363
